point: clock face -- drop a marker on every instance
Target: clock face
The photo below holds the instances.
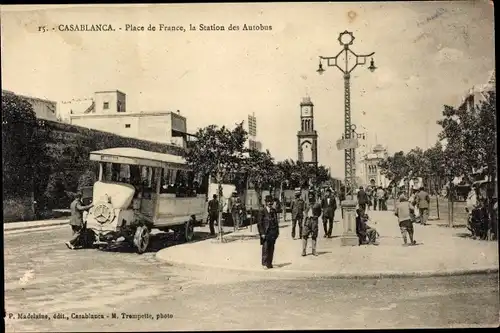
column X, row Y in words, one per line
column 306, row 111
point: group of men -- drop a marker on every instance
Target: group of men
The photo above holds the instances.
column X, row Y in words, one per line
column 235, row 209
column 372, row 197
column 306, row 215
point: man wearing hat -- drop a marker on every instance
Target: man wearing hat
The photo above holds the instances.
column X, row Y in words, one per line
column 235, row 208
column 76, row 221
column 269, row 231
column 313, row 211
column 297, row 207
column 362, row 199
column 329, row 205
column 403, row 212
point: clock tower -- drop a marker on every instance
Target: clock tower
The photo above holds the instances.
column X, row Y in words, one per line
column 307, row 137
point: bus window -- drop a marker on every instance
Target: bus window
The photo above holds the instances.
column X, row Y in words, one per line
column 192, row 184
column 124, row 173
column 135, row 175
column 168, row 181
column 111, row 172
column 181, row 183
column 202, row 183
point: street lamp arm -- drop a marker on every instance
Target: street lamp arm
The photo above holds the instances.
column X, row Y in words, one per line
column 360, row 59
column 333, row 61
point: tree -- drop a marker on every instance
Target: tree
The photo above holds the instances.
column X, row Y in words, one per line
column 286, row 169
column 470, row 143
column 261, row 170
column 395, row 168
column 435, row 159
column 20, row 146
column 88, row 178
column 323, row 175
column 218, row 152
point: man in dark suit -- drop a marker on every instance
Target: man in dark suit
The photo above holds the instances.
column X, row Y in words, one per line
column 269, row 231
column 76, row 221
column 313, row 211
column 213, row 213
column 329, row 205
column 342, row 198
column 297, row 207
column 362, row 199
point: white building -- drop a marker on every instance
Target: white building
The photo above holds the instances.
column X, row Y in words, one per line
column 477, row 93
column 44, row 109
column 107, row 112
column 371, row 170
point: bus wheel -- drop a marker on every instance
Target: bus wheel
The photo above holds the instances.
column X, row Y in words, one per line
column 141, row 239
column 188, row 231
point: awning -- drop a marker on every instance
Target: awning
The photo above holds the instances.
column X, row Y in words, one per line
column 177, row 133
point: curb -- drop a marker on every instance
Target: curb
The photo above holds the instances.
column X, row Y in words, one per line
column 322, row 274
column 35, row 226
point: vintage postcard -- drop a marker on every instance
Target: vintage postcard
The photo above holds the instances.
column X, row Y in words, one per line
column 249, row 166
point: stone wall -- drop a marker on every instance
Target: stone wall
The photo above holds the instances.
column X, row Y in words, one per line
column 66, row 154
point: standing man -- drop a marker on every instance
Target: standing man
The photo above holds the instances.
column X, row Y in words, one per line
column 403, row 212
column 235, row 208
column 269, row 231
column 423, row 202
column 298, row 206
column 362, row 199
column 313, row 211
column 380, row 198
column 342, row 198
column 76, row 221
column 329, row 206
column 213, row 213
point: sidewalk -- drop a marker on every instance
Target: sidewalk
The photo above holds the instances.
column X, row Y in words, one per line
column 442, row 251
column 25, row 225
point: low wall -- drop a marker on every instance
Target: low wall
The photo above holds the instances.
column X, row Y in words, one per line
column 18, row 209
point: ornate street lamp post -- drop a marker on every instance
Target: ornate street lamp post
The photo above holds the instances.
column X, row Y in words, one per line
column 346, row 39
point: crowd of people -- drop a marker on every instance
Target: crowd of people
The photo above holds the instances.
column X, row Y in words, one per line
column 481, row 221
column 305, row 216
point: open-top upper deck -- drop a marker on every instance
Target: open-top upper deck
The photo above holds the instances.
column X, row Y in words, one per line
column 136, row 156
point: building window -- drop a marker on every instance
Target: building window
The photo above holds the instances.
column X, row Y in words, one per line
column 127, row 125
column 120, row 107
column 105, row 106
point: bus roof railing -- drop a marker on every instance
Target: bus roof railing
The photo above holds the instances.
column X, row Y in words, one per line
column 124, row 155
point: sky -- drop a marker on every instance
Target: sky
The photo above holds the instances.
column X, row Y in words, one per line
column 427, row 54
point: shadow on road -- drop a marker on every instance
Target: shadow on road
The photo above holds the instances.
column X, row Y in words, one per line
column 236, row 237
column 282, row 265
column 158, row 242
column 463, row 235
column 443, row 225
column 320, row 253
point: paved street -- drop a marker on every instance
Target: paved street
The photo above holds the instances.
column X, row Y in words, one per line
column 42, row 276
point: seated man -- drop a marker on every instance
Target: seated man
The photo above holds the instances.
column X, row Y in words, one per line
column 366, row 234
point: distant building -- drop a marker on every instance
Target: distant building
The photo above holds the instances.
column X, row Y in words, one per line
column 372, row 171
column 477, row 93
column 44, row 109
column 252, row 142
column 107, row 112
column 307, row 136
